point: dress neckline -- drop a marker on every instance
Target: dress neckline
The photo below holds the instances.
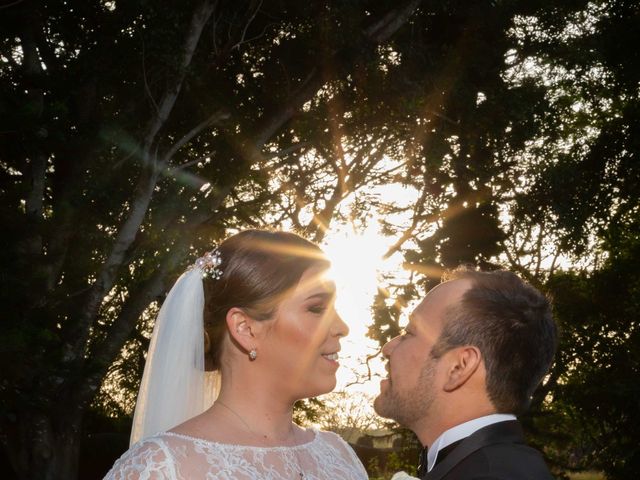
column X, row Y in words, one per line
column 184, row 436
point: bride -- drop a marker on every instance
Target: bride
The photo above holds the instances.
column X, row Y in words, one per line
column 252, row 322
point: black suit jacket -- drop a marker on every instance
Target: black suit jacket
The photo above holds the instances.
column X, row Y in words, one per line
column 495, row 452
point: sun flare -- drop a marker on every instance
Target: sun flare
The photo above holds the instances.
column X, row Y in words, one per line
column 356, row 263
column 356, row 260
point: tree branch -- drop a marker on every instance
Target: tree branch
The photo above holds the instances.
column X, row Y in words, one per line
column 143, row 193
column 215, row 119
column 408, row 233
column 378, row 32
column 37, row 167
column 198, row 20
column 383, row 29
column 272, row 123
column 144, row 78
column 286, row 151
column 120, row 331
column 246, row 27
column 33, row 84
column 16, row 2
column 122, row 327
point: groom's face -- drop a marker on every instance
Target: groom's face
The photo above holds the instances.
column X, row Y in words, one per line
column 408, row 393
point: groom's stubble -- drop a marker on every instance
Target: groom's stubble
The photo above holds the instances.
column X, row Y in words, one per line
column 408, row 406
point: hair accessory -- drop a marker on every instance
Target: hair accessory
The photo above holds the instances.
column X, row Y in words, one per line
column 253, row 354
column 210, row 263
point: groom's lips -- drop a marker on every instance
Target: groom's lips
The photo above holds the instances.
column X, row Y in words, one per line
column 386, row 380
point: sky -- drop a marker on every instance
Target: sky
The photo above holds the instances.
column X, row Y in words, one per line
column 357, row 266
column 356, row 262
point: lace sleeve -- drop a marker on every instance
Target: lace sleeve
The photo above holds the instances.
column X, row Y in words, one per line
column 147, row 460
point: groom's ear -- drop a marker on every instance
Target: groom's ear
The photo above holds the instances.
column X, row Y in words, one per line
column 463, row 363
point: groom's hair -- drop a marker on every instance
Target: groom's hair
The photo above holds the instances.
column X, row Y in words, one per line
column 510, row 322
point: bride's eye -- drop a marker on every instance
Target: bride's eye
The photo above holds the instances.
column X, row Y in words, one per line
column 320, row 308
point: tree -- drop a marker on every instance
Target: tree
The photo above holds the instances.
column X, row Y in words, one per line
column 595, row 396
column 134, row 135
column 585, row 190
column 527, row 161
column 349, row 415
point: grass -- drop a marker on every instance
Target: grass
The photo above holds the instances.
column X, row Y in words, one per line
column 586, row 476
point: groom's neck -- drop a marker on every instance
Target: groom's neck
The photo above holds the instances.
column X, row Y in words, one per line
column 448, row 416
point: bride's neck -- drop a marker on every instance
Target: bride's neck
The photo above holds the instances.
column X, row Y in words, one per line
column 257, row 411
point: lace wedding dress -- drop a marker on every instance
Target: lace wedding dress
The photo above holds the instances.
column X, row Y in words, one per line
column 173, row 456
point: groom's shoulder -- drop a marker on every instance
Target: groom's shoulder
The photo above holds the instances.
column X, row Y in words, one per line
column 506, row 461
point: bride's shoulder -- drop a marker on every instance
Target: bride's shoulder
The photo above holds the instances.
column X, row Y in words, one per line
column 327, row 435
column 148, row 458
column 332, row 438
column 342, row 452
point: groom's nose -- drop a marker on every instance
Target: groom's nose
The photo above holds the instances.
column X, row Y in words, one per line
column 388, row 347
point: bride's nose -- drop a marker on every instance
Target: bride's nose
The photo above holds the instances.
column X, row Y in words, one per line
column 338, row 327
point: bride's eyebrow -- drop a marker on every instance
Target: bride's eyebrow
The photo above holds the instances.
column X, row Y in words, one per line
column 327, row 295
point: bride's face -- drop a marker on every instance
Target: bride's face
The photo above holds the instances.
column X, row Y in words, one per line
column 303, row 341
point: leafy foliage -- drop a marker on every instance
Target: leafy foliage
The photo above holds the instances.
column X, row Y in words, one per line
column 527, row 162
column 133, row 135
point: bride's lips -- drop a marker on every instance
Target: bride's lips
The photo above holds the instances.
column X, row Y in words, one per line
column 331, row 357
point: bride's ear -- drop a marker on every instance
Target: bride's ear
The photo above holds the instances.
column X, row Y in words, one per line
column 240, row 327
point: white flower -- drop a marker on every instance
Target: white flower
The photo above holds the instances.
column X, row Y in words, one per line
column 403, row 476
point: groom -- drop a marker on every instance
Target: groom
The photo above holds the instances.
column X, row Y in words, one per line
column 474, row 351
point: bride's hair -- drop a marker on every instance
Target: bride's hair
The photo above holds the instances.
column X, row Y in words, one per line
column 258, row 267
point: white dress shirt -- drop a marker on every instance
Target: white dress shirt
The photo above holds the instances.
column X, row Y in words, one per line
column 462, row 431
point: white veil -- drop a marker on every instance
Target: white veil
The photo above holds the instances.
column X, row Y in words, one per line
column 175, row 386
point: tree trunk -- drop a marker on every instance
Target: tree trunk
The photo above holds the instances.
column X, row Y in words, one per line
column 45, row 446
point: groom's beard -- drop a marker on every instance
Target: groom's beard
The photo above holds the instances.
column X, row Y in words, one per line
column 405, row 407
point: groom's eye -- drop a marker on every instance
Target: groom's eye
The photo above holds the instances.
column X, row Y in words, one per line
column 406, row 333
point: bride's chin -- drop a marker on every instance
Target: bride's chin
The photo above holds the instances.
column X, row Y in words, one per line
column 321, row 388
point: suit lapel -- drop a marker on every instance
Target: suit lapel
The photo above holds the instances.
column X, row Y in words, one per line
column 501, row 432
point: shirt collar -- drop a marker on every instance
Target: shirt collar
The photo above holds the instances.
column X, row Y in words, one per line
column 462, row 431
